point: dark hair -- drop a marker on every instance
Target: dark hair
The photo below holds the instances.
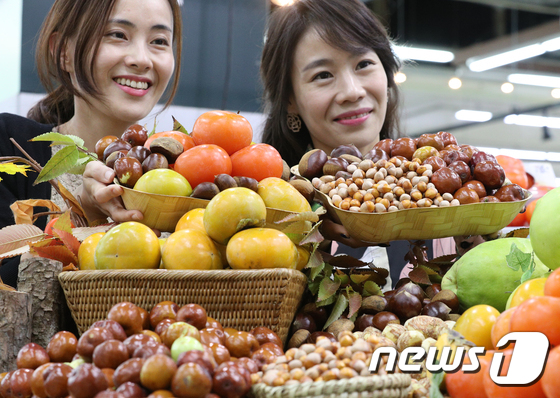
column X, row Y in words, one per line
column 345, row 24
column 85, row 21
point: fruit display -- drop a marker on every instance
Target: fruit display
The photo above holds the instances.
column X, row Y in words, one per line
column 408, row 173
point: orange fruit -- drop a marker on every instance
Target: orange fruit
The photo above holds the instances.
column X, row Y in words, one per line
column 228, row 130
column 190, row 249
column 538, row 314
column 130, row 245
column 193, row 219
column 552, row 284
column 202, row 163
column 501, row 327
column 550, row 380
column 467, row 385
column 529, row 210
column 257, row 161
column 258, row 248
column 87, row 250
column 185, row 139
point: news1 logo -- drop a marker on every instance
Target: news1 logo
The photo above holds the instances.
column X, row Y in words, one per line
column 526, row 366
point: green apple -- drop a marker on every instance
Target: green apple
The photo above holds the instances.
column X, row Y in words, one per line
column 183, row 344
column 545, row 229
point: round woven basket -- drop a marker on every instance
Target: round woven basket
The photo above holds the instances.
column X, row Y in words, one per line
column 375, row 386
column 425, row 223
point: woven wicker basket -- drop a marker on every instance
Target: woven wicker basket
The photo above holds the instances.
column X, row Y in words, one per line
column 241, row 299
column 375, row 386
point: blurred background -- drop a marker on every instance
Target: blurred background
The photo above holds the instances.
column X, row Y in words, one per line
column 486, row 70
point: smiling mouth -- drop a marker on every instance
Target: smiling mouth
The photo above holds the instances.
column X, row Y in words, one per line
column 132, row 83
column 354, row 117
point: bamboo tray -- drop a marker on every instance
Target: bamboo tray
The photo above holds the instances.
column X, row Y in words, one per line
column 241, row 299
column 425, row 223
column 162, row 212
column 376, row 386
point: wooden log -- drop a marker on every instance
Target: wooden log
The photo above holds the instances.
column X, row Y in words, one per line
column 15, row 327
column 39, row 278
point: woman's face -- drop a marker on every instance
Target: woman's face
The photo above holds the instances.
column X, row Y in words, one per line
column 135, row 60
column 341, row 97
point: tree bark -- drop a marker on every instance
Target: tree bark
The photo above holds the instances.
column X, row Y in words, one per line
column 15, row 327
column 39, row 278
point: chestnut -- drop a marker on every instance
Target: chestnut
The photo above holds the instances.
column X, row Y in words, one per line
column 437, row 309
column 510, row 193
column 139, row 152
column 303, row 321
column 384, row 318
column 102, row 144
column 224, row 181
column 111, row 159
column 446, row 180
column 405, row 305
column 312, row 339
column 362, row 322
column 154, row 161
column 247, row 182
column 205, row 190
column 311, row 163
column 333, row 165
column 413, row 289
column 377, row 154
column 433, row 289
column 346, row 149
column 168, row 147
column 116, row 145
column 448, row 298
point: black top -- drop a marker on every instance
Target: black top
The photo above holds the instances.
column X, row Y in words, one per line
column 18, row 187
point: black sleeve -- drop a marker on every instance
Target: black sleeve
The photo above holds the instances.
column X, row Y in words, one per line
column 19, row 187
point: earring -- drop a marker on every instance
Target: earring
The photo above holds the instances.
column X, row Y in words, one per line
column 294, row 122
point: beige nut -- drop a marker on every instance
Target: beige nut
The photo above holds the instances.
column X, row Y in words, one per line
column 410, row 338
column 429, row 326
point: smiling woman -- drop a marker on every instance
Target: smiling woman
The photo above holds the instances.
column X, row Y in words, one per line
column 105, row 64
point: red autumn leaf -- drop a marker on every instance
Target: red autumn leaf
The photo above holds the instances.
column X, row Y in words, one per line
column 58, row 253
column 69, row 240
column 419, row 275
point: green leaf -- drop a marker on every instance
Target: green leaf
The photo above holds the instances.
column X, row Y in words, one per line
column 80, row 165
column 338, row 309
column 313, row 236
column 63, row 223
column 316, row 271
column 437, row 379
column 516, row 259
column 328, row 270
column 328, row 288
column 354, row 300
column 371, row 289
column 178, row 126
column 315, row 260
column 328, row 301
column 153, row 128
column 60, row 163
column 359, row 278
column 529, row 271
column 60, row 139
column 314, row 286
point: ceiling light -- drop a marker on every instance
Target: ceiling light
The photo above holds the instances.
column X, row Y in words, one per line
column 508, row 57
column 533, row 121
column 455, row 83
column 423, row 54
column 400, row 77
column 534, row 80
column 555, row 93
column 507, row 88
column 283, row 3
column 552, row 44
column 473, row 116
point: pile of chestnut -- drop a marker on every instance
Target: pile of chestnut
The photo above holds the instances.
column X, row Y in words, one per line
column 429, row 171
column 130, row 355
column 406, row 301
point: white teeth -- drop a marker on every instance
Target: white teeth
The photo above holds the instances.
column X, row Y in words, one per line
column 132, row 83
column 356, row 116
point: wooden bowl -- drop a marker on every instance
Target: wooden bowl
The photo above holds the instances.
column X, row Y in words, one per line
column 425, row 223
column 162, row 212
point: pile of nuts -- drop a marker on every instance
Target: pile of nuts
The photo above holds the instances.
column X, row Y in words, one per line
column 429, row 171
